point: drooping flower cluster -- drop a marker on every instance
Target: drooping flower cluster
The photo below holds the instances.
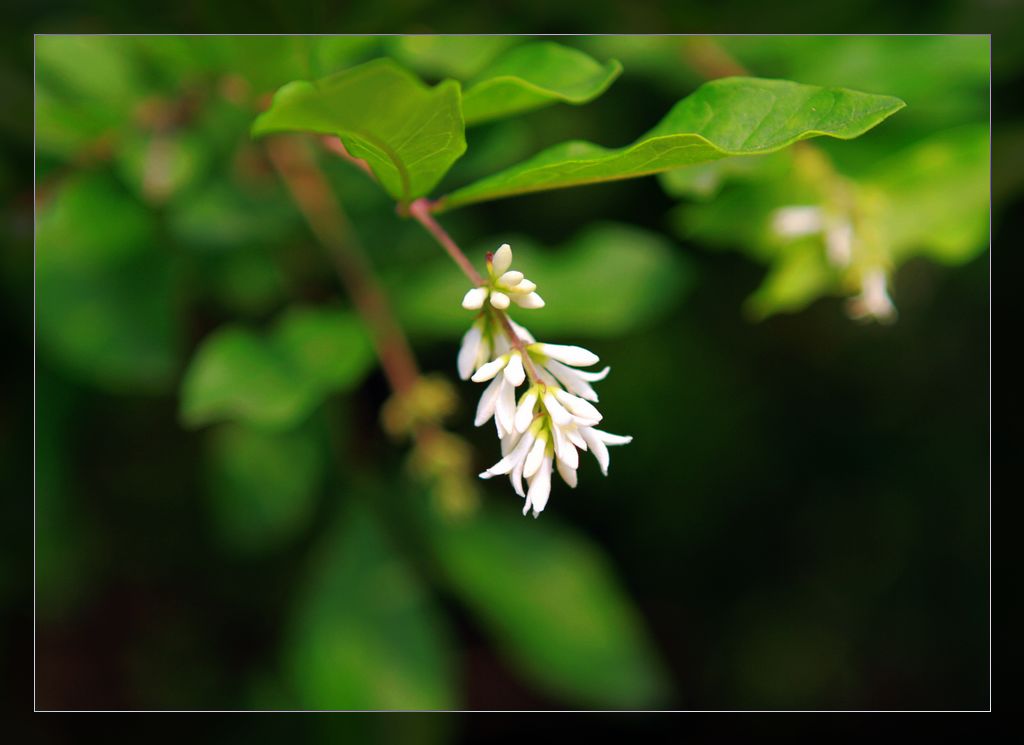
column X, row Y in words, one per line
column 544, row 427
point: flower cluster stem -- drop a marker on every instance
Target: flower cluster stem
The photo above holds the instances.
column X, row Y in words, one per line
column 420, row 211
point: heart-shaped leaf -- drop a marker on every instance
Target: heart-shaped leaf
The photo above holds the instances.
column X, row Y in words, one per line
column 731, row 116
column 408, row 133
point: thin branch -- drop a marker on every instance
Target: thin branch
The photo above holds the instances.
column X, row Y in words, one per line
column 420, row 211
column 311, row 192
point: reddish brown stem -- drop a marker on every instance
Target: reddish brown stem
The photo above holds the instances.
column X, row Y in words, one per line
column 420, row 211
column 308, row 187
column 336, row 146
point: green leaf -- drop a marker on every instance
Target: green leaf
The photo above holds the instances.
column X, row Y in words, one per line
column 934, row 196
column 365, row 634
column 536, row 75
column 459, row 57
column 552, row 604
column 261, row 485
column 106, row 293
column 276, row 380
column 608, row 280
column 409, row 134
column 731, row 116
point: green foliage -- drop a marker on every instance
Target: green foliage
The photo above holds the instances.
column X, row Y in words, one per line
column 555, row 609
column 275, row 380
column 261, row 485
column 534, row 75
column 105, row 294
column 365, row 634
column 934, row 196
column 460, row 57
column 732, row 116
column 409, row 134
column 608, row 280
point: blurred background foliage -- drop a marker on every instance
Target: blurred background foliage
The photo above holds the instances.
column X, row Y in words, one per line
column 221, row 521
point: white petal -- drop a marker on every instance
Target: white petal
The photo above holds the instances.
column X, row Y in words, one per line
column 506, row 464
column 510, row 279
column 470, row 349
column 593, row 377
column 516, row 477
column 572, row 379
column 540, row 487
column 793, row 222
column 488, row 399
column 474, row 299
column 526, row 286
column 524, row 414
column 535, row 456
column 839, row 243
column 502, row 259
column 578, row 406
column 492, row 368
column 568, row 474
column 564, row 450
column 505, row 409
column 522, row 332
column 533, row 300
column 514, row 372
column 609, row 439
column 499, row 300
column 558, row 413
column 597, row 447
column 573, row 433
column 570, row 355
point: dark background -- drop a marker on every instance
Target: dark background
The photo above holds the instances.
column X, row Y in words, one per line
column 811, row 530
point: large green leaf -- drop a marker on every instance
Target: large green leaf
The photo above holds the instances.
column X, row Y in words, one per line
column 608, row 280
column 365, row 633
column 409, row 134
column 261, row 485
column 536, row 75
column 731, row 116
column 276, row 380
column 552, row 603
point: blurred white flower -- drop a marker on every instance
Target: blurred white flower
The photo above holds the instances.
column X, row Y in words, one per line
column 873, row 302
column 799, row 220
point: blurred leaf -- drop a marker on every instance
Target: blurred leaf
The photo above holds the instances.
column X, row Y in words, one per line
column 935, row 196
column 97, row 69
column 409, row 134
column 731, row 116
column 275, row 380
column 262, row 485
column 799, row 276
column 220, row 217
column 554, row 608
column 535, row 75
column 365, row 633
column 705, row 180
column 459, row 57
column 105, row 295
column 608, row 280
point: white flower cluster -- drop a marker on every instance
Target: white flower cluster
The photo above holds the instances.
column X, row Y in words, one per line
column 543, row 428
column 799, row 220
